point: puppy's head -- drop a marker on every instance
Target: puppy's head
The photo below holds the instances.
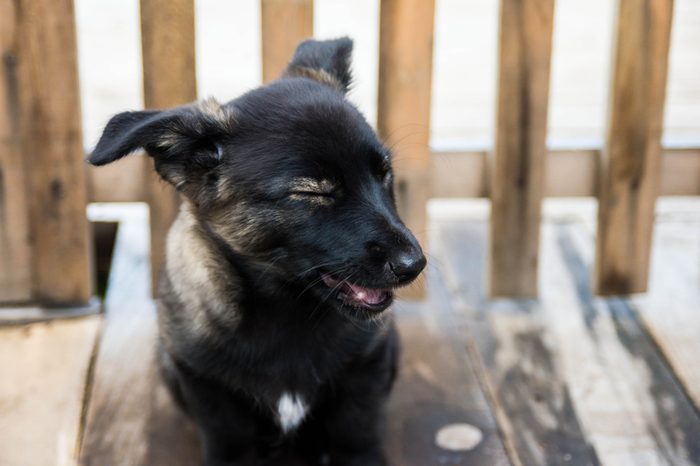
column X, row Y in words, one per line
column 289, row 175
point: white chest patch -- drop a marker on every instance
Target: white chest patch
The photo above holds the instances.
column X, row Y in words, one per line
column 291, row 410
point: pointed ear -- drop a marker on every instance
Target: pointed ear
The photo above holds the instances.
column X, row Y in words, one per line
column 326, row 61
column 184, row 142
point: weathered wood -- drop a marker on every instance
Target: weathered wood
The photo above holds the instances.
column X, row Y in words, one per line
column 403, row 106
column 15, row 251
column 284, row 23
column 437, row 387
column 680, row 172
column 669, row 309
column 577, row 379
column 44, row 73
column 569, row 173
column 130, row 417
column 631, row 159
column 639, row 388
column 459, row 174
column 44, row 368
column 519, row 150
column 169, row 79
column 520, row 368
column 121, row 181
column 26, row 314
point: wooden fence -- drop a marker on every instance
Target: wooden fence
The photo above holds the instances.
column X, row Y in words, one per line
column 45, row 186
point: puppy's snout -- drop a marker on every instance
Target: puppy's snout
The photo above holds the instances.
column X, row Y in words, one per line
column 407, row 265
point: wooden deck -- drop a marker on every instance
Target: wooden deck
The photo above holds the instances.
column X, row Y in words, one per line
column 568, row 379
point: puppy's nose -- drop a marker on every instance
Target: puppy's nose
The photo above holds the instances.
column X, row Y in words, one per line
column 407, row 266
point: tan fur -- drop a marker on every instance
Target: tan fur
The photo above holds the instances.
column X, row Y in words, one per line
column 311, row 185
column 197, row 276
column 239, row 224
column 223, row 115
column 170, row 139
column 317, row 75
column 211, row 109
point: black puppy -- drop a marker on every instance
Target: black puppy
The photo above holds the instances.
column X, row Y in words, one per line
column 280, row 264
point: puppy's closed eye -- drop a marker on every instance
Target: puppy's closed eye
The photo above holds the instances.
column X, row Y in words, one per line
column 310, row 189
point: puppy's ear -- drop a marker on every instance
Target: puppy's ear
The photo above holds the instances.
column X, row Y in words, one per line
column 327, row 61
column 184, row 142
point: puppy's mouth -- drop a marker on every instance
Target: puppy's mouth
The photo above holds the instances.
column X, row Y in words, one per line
column 354, row 295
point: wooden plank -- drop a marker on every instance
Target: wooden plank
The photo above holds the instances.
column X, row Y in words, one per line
column 519, row 150
column 25, row 314
column 631, row 159
column 49, row 126
column 680, row 173
column 520, row 367
column 15, row 251
column 284, row 23
column 437, row 388
column 577, row 379
column 130, row 418
column 44, row 368
column 120, row 181
column 459, row 174
column 669, row 309
column 403, row 107
column 641, row 390
column 168, row 47
column 569, row 173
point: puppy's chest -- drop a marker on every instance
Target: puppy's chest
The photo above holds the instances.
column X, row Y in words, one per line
column 290, row 371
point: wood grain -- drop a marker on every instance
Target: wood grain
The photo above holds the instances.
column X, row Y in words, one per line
column 403, row 107
column 44, row 368
column 130, row 417
column 569, row 173
column 577, row 379
column 519, row 150
column 284, row 23
column 669, row 309
column 661, row 422
column 631, row 159
column 519, row 366
column 437, row 386
column 15, row 250
column 49, row 127
column 119, row 181
column 169, row 79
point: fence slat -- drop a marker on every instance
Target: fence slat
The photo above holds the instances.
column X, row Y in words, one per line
column 48, row 113
column 284, row 24
column 169, row 79
column 15, row 252
column 403, row 109
column 519, row 150
column 631, row 158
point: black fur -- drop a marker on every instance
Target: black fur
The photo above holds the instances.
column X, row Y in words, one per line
column 280, row 264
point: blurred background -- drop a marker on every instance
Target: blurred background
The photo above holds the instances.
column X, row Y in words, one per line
column 464, row 64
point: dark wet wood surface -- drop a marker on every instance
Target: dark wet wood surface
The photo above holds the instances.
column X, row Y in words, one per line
column 574, row 379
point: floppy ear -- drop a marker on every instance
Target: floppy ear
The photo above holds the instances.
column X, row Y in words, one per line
column 327, row 61
column 184, row 141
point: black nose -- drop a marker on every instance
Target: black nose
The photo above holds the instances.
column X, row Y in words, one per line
column 407, row 266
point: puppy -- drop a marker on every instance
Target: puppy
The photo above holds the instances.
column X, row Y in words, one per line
column 273, row 329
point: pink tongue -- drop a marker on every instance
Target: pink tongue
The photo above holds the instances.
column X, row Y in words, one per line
column 366, row 295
